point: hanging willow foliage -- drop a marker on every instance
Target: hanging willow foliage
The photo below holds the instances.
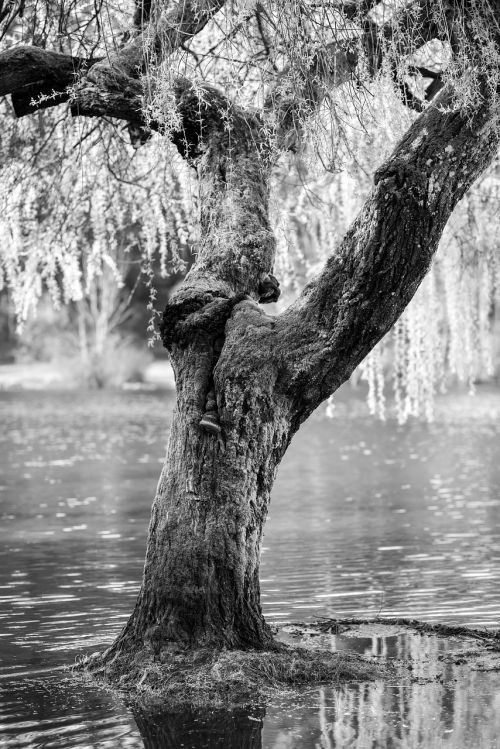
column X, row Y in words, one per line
column 85, row 203
column 448, row 331
column 77, row 200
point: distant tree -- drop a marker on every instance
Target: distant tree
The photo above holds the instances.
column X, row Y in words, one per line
column 233, row 86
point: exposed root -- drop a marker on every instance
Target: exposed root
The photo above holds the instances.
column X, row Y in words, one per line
column 220, row 678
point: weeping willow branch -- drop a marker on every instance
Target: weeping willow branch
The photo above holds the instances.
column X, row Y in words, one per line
column 160, row 33
column 38, row 78
column 367, row 284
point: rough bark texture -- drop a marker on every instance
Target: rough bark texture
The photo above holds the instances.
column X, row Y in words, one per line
column 38, row 78
column 201, row 578
column 368, row 282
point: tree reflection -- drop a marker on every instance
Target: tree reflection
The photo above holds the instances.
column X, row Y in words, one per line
column 202, row 729
column 439, row 704
column 436, row 702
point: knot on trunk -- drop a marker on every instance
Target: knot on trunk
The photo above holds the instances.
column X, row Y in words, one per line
column 204, row 315
column 269, row 289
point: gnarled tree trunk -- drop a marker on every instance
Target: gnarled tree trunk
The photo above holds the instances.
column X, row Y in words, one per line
column 201, row 584
column 201, row 577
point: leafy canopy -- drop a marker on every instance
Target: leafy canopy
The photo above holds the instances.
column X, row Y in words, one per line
column 334, row 84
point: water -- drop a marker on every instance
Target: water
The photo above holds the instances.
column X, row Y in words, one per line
column 367, row 519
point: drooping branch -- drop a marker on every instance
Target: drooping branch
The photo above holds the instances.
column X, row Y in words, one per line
column 288, row 105
column 10, row 12
column 160, row 31
column 401, row 36
column 407, row 29
column 370, row 279
column 38, row 78
column 142, row 13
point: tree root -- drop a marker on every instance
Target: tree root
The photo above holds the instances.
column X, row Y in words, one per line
column 207, row 677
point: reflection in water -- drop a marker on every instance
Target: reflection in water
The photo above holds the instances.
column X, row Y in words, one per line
column 442, row 704
column 58, row 712
column 207, row 729
column 366, row 518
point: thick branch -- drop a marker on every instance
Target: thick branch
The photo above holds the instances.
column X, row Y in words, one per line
column 410, row 28
column 38, row 78
column 369, row 281
column 30, row 73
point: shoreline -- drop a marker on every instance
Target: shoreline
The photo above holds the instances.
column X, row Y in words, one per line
column 49, row 376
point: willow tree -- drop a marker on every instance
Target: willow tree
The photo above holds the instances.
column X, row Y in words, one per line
column 233, row 86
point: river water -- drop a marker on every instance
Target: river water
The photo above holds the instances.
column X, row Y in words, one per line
column 367, row 519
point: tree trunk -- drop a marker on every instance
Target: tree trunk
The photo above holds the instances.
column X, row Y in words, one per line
column 201, row 577
column 247, row 378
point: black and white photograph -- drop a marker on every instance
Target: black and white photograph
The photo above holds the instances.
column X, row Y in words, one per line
column 249, row 374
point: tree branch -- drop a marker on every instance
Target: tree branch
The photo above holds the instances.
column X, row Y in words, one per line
column 161, row 32
column 368, row 282
column 287, row 106
column 336, row 64
column 30, row 73
column 38, row 78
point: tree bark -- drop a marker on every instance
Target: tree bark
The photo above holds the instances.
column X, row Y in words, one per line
column 201, row 576
column 371, row 278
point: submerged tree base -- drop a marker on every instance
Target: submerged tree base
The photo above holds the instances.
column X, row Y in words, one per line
column 209, row 678
column 215, row 678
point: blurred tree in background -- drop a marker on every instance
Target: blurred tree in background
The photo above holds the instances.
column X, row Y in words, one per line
column 93, row 226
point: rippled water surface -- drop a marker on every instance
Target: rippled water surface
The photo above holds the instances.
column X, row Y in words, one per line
column 366, row 519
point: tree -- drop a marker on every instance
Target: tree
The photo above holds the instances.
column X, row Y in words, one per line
column 245, row 380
